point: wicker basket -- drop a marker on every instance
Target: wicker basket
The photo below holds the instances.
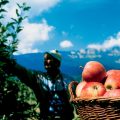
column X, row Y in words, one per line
column 95, row 109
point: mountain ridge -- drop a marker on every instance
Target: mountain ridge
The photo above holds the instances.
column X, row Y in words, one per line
column 72, row 60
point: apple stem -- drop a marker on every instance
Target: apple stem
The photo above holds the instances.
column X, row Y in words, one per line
column 81, row 67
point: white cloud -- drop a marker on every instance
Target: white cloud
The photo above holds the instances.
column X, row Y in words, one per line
column 107, row 44
column 37, row 6
column 66, row 44
column 33, row 33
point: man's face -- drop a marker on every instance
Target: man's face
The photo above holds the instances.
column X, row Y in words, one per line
column 50, row 62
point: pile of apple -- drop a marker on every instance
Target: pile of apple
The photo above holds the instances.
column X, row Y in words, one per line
column 97, row 82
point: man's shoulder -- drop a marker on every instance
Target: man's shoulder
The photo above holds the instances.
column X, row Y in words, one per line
column 40, row 74
column 37, row 73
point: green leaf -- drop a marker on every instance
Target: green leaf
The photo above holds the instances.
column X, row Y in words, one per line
column 17, row 13
column 24, row 4
column 19, row 29
column 10, row 24
column 8, row 35
column 20, row 20
column 13, row 35
column 4, row 2
column 2, row 10
column 19, row 5
column 14, row 19
column 3, row 29
column 26, row 8
column 1, row 16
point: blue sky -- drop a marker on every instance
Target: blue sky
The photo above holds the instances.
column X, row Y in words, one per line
column 69, row 25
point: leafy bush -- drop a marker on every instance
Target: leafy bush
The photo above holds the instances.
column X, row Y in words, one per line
column 17, row 101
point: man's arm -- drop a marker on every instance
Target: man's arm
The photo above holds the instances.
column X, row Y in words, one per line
column 26, row 76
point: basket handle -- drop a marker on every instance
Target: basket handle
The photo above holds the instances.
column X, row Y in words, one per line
column 71, row 87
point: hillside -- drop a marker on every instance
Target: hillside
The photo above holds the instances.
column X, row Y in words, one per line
column 73, row 59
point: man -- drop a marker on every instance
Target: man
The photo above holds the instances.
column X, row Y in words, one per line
column 50, row 87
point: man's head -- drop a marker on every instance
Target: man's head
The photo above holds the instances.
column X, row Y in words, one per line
column 52, row 60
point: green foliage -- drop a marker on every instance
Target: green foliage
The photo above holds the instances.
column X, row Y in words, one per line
column 17, row 101
column 10, row 30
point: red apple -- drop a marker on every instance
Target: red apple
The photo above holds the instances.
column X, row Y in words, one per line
column 79, row 88
column 93, row 72
column 93, row 89
column 112, row 80
column 112, row 93
column 113, row 72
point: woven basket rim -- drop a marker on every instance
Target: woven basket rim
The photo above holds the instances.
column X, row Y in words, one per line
column 73, row 97
column 97, row 99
